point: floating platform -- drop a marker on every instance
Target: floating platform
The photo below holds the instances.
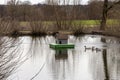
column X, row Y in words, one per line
column 61, row 46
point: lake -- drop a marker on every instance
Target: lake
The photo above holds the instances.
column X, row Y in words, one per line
column 94, row 57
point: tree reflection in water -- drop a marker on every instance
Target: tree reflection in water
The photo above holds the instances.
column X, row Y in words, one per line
column 10, row 56
column 105, row 64
column 36, row 49
column 72, row 64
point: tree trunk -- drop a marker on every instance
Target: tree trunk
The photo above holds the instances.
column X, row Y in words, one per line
column 106, row 8
column 104, row 15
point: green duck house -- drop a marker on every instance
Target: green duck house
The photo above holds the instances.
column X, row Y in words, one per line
column 61, row 42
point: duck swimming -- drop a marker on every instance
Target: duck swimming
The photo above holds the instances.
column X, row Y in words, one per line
column 89, row 48
column 97, row 49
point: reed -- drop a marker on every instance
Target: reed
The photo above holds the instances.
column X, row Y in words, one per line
column 38, row 29
column 9, row 27
column 77, row 29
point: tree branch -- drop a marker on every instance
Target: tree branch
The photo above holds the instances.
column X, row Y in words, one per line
column 111, row 6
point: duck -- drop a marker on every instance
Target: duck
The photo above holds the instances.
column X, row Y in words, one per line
column 89, row 48
column 97, row 49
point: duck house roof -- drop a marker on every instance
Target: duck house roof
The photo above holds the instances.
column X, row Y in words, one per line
column 62, row 36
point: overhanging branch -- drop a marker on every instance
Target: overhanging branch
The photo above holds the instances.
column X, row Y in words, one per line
column 111, row 6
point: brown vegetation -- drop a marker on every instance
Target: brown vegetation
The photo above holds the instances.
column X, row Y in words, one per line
column 38, row 29
column 61, row 13
column 9, row 27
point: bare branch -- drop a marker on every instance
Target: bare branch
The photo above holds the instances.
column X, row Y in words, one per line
column 111, row 6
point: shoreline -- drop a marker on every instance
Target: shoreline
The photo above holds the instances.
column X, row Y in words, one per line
column 29, row 33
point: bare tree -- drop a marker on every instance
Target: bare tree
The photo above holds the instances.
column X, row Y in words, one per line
column 95, row 9
column 12, row 8
column 106, row 8
column 25, row 10
column 64, row 13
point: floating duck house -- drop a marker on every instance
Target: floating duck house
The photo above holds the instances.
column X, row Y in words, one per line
column 61, row 39
column 61, row 42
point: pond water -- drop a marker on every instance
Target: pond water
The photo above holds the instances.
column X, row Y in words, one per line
column 94, row 57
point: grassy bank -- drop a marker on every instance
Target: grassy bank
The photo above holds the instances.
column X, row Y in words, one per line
column 76, row 27
column 82, row 22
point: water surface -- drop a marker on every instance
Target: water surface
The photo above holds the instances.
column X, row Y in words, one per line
column 43, row 63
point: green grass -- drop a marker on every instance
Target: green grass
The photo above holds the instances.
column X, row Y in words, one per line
column 87, row 22
column 78, row 22
column 95, row 22
column 23, row 23
column 113, row 22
